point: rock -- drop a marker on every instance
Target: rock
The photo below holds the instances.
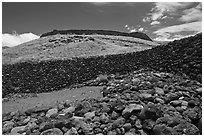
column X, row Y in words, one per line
column 104, row 118
column 71, row 131
column 25, row 121
column 193, row 113
column 17, row 130
column 151, row 111
column 86, row 128
column 127, row 126
column 114, row 115
column 170, row 121
column 138, row 124
column 159, row 91
column 193, row 103
column 69, row 110
column 53, row 131
column 7, row 126
column 148, row 124
column 171, row 96
column 37, row 110
column 122, row 129
column 118, row 123
column 186, row 128
column 89, row 115
column 146, row 96
column 200, row 125
column 60, row 106
column 45, row 125
column 131, row 109
column 184, row 103
column 199, row 91
column 97, row 130
column 159, row 100
column 176, row 103
column 163, row 130
column 32, row 125
column 142, row 132
column 112, row 132
column 51, row 112
column 105, row 108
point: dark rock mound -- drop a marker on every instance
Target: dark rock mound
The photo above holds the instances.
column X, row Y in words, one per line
column 100, row 32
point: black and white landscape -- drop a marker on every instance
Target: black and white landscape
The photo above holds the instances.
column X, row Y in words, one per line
column 102, row 68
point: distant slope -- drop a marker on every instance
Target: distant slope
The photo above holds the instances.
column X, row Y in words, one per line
column 68, row 46
column 100, row 32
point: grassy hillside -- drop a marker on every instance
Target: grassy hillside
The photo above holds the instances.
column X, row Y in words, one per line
column 63, row 47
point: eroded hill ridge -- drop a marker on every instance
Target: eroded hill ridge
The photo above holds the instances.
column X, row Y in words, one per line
column 99, row 32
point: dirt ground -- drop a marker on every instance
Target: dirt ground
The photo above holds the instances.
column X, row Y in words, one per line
column 50, row 99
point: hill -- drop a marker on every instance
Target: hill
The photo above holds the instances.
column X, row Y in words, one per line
column 183, row 56
column 99, row 32
column 151, row 92
column 67, row 46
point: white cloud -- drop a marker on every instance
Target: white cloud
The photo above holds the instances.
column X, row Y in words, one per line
column 167, row 32
column 154, row 23
column 15, row 39
column 141, row 29
column 163, row 10
column 134, row 29
column 192, row 14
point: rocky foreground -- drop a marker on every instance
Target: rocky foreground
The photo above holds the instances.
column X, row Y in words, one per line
column 143, row 102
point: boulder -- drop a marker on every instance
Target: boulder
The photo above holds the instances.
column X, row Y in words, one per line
column 71, row 131
column 104, row 118
column 119, row 122
column 45, row 125
column 69, row 110
column 53, row 131
column 18, row 130
column 186, row 128
column 89, row 115
column 51, row 112
column 151, row 111
column 163, row 130
column 131, row 109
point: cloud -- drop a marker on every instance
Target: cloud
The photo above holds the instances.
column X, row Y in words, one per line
column 134, row 29
column 154, row 23
column 15, row 39
column 167, row 32
column 164, row 10
column 192, row 14
column 141, row 29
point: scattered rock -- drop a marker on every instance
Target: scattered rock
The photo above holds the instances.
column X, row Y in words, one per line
column 186, row 129
column 104, row 118
column 89, row 115
column 118, row 123
column 127, row 126
column 51, row 112
column 163, row 130
column 71, row 131
column 18, row 130
column 131, row 109
column 69, row 110
column 53, row 131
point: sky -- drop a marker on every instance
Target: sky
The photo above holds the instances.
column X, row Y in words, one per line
column 161, row 21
